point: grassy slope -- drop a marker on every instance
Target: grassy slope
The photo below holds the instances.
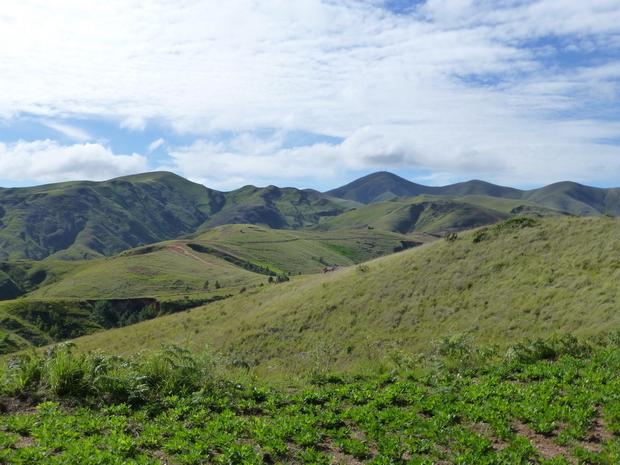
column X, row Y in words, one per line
column 173, row 268
column 557, row 277
column 169, row 270
column 88, row 220
column 301, row 251
column 274, row 207
column 423, row 215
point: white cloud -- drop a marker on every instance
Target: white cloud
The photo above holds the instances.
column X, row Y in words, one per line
column 457, row 86
column 47, row 161
column 69, row 131
column 156, row 144
column 134, row 123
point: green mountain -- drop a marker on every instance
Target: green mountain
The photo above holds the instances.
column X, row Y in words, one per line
column 381, row 186
column 564, row 196
column 274, row 207
column 84, row 220
column 87, row 220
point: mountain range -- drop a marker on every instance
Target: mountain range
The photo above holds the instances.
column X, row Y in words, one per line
column 85, row 220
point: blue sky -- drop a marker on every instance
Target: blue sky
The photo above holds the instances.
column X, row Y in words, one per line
column 311, row 93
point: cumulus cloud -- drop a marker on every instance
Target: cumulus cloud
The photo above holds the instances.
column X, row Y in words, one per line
column 47, row 161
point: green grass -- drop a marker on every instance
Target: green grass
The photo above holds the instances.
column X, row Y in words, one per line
column 174, row 268
column 425, row 214
column 559, row 276
column 211, row 264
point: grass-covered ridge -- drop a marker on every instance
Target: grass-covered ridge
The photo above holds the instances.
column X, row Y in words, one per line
column 553, row 275
column 234, row 256
column 173, row 275
column 545, row 401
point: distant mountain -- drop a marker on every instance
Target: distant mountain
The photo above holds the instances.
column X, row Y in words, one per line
column 84, row 219
column 381, row 186
column 277, row 208
column 565, row 196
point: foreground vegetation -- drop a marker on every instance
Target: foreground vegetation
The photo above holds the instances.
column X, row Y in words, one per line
column 547, row 401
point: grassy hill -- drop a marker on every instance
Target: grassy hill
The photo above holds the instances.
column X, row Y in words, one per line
column 501, row 284
column 234, row 256
column 172, row 275
column 85, row 220
column 437, row 215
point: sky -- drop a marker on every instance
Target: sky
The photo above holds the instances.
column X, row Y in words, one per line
column 311, row 93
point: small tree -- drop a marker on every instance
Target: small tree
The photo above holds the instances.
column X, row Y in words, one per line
column 217, row 284
column 105, row 315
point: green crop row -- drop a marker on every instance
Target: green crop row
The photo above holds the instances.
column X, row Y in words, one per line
column 561, row 406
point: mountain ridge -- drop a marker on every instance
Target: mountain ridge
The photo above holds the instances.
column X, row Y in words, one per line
column 88, row 219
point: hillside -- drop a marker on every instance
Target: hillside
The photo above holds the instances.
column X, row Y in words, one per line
column 171, row 276
column 501, row 283
column 230, row 255
column 85, row 220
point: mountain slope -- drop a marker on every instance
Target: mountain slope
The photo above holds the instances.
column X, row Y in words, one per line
column 274, row 207
column 84, row 220
column 88, row 220
column 558, row 275
column 381, row 186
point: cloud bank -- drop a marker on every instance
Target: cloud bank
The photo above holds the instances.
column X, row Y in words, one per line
column 47, row 161
column 515, row 92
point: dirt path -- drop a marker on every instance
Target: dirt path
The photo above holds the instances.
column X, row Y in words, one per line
column 177, row 249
